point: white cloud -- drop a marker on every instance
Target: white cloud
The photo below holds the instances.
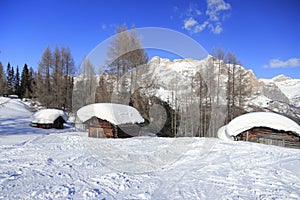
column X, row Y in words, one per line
column 198, row 12
column 201, row 27
column 214, row 16
column 214, row 9
column 192, row 25
column 277, row 63
column 189, row 23
column 217, row 29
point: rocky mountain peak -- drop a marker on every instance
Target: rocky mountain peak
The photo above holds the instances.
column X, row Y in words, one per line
column 281, row 78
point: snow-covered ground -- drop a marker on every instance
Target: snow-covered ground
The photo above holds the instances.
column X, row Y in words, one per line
column 66, row 164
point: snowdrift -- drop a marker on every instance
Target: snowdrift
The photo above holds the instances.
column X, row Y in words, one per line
column 13, row 105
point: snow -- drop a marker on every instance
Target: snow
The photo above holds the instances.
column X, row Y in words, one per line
column 66, row 164
column 12, row 105
column 257, row 119
column 115, row 113
column 260, row 101
column 48, row 116
column 289, row 87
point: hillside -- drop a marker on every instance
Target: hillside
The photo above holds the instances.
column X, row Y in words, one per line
column 66, row 164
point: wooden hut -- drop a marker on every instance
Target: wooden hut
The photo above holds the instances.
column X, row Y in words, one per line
column 263, row 127
column 49, row 118
column 105, row 120
column 270, row 136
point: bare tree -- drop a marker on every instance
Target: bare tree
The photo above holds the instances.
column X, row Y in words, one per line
column 57, row 83
column 237, row 87
column 104, row 89
column 230, row 85
column 68, row 72
column 44, row 91
column 85, row 86
column 218, row 56
column 125, row 54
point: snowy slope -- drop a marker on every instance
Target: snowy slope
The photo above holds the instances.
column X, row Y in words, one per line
column 66, row 164
column 61, row 166
column 290, row 87
column 14, row 117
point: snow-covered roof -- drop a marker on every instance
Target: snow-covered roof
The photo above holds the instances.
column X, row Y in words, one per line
column 257, row 119
column 114, row 113
column 48, row 116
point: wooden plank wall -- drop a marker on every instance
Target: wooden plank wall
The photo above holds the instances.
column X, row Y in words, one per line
column 271, row 137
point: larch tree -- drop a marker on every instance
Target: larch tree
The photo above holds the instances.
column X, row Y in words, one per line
column 85, row 87
column 243, row 90
column 237, row 89
column 104, row 89
column 53, row 84
column 44, row 91
column 68, row 71
column 57, row 83
column 125, row 54
column 219, row 56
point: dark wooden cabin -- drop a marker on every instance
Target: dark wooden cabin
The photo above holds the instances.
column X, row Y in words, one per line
column 58, row 123
column 270, row 136
column 99, row 128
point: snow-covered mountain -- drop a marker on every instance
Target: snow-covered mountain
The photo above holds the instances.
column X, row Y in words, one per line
column 280, row 94
column 288, row 86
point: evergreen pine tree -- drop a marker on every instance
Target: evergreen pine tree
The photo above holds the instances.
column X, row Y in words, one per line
column 10, row 79
column 2, row 81
column 16, row 82
column 25, row 83
column 31, row 84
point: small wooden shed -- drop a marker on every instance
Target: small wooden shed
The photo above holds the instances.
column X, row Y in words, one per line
column 49, row 118
column 107, row 120
column 263, row 127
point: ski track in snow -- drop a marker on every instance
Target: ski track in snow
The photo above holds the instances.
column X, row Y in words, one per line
column 59, row 165
column 66, row 164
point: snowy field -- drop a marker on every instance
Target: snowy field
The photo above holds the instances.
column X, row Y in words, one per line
column 66, row 164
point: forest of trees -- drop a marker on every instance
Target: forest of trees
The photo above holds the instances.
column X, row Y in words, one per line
column 14, row 83
column 52, row 83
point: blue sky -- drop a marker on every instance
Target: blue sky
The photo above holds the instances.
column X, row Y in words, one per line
column 264, row 34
